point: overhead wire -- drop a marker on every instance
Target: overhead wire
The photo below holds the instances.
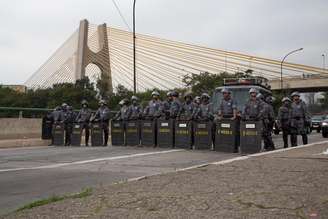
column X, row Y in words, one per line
column 121, row 15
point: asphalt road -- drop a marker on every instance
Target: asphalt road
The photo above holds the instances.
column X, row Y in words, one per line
column 28, row 174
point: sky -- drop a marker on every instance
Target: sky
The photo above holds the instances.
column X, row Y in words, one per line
column 31, row 30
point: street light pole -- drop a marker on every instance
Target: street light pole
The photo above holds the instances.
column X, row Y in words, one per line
column 134, row 48
column 282, row 62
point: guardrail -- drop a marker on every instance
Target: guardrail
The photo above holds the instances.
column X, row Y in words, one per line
column 22, row 112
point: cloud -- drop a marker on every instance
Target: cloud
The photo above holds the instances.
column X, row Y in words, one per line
column 33, row 29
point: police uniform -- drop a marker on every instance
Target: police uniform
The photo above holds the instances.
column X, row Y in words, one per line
column 284, row 121
column 227, row 108
column 205, row 111
column 123, row 113
column 187, row 110
column 84, row 119
column 102, row 115
column 153, row 109
column 175, row 108
column 299, row 117
column 196, row 108
column 69, row 118
column 57, row 115
column 268, row 120
column 165, row 108
column 253, row 110
column 134, row 112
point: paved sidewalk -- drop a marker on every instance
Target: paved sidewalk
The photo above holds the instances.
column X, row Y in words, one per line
column 289, row 184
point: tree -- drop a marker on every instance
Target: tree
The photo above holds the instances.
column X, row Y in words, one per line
column 204, row 82
column 103, row 87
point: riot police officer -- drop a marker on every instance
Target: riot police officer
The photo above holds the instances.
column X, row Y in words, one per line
column 175, row 105
column 253, row 109
column 299, row 119
column 102, row 115
column 153, row 109
column 228, row 110
column 166, row 105
column 56, row 115
column 205, row 111
column 69, row 123
column 187, row 107
column 135, row 110
column 227, row 107
column 283, row 119
column 83, row 118
column 123, row 113
column 268, row 121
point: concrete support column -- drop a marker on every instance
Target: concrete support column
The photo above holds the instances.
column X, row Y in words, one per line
column 85, row 56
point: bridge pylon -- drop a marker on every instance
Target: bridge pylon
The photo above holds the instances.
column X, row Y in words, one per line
column 86, row 56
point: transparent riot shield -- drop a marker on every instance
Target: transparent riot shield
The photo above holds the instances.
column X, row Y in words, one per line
column 203, row 135
column 97, row 135
column 117, row 133
column 226, row 135
column 165, row 133
column 58, row 134
column 183, row 134
column 76, row 135
column 251, row 136
column 132, row 133
column 148, row 132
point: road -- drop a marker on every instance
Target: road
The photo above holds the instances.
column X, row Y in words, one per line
column 28, row 174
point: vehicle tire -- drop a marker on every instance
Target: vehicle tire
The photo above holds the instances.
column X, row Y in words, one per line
column 325, row 134
column 318, row 130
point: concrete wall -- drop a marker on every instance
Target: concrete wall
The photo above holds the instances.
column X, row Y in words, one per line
column 15, row 128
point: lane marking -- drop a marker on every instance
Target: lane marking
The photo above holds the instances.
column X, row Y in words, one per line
column 51, row 166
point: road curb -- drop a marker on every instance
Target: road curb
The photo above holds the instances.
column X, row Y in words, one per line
column 240, row 158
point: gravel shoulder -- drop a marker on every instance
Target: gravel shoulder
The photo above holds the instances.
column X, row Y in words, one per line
column 289, row 184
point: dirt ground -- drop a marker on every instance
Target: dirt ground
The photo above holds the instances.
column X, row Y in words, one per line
column 289, row 184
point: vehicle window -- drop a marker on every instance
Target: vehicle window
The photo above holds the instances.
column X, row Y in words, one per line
column 319, row 117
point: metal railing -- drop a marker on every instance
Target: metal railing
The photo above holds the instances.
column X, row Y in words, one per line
column 21, row 112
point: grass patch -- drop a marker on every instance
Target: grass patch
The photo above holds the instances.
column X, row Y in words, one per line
column 84, row 193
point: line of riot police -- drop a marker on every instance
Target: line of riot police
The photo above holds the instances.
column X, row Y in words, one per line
column 194, row 122
column 67, row 125
column 191, row 124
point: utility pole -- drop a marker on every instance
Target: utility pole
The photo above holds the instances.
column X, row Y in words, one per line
column 134, row 49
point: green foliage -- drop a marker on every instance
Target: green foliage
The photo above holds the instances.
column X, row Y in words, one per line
column 204, row 82
column 84, row 193
column 103, row 87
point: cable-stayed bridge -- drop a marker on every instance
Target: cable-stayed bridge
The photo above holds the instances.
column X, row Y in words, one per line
column 92, row 50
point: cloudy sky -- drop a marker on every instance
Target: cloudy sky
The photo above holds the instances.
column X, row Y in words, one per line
column 31, row 30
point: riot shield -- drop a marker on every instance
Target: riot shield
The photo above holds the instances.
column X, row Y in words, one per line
column 251, row 136
column 183, row 134
column 132, row 133
column 203, row 135
column 46, row 128
column 165, row 133
column 97, row 134
column 76, row 135
column 58, row 134
column 148, row 132
column 117, row 133
column 226, row 135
